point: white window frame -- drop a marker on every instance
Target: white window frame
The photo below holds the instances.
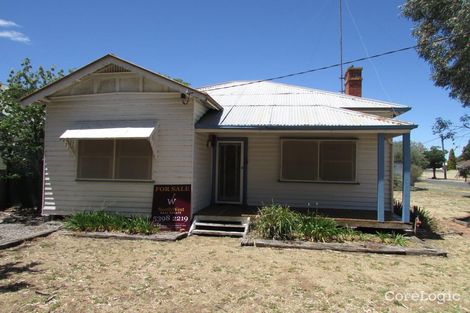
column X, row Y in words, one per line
column 114, row 160
column 318, row 178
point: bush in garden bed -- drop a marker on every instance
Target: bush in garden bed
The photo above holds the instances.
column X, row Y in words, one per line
column 277, row 222
column 318, row 228
column 428, row 223
column 280, row 222
column 105, row 221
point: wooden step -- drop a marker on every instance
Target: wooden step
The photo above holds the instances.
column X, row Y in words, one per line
column 219, row 225
column 217, row 233
column 214, row 218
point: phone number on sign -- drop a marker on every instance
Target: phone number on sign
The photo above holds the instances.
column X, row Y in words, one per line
column 170, row 218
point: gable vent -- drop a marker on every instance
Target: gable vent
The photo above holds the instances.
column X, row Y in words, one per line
column 112, row 68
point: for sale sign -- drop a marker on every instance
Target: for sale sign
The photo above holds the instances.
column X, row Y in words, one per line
column 171, row 207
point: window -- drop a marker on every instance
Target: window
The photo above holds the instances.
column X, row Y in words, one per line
column 299, row 160
column 318, row 160
column 115, row 159
column 337, row 160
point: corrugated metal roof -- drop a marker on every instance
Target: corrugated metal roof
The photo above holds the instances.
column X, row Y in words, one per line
column 295, row 117
column 273, row 93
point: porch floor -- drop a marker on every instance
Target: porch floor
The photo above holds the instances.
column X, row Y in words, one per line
column 351, row 218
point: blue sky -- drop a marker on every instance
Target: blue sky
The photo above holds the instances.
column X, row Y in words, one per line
column 206, row 42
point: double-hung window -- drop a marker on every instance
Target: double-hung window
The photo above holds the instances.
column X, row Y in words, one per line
column 115, row 159
column 318, row 160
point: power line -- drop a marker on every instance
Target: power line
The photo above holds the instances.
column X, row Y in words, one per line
column 361, row 39
column 325, row 67
column 456, row 137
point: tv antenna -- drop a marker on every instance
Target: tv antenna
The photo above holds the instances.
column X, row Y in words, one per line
column 341, row 77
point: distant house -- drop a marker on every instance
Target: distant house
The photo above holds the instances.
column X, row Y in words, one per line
column 114, row 130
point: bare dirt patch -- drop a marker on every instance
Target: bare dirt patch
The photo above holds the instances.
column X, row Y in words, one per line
column 204, row 274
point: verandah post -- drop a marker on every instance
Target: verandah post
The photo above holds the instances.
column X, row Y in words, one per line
column 406, row 181
column 380, row 177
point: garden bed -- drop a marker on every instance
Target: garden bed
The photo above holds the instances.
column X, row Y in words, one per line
column 161, row 236
column 101, row 221
column 343, row 247
column 278, row 226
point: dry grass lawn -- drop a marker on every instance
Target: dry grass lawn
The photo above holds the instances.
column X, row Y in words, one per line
column 201, row 274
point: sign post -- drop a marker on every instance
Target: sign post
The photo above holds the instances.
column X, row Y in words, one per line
column 171, row 207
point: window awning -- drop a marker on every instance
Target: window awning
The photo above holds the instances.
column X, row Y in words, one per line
column 117, row 129
column 133, row 129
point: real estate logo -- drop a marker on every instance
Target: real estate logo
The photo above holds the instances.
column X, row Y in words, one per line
column 171, row 207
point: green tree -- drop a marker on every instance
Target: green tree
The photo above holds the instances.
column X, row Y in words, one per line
column 436, row 159
column 443, row 128
column 22, row 128
column 452, row 162
column 417, row 153
column 442, row 30
column 465, row 152
column 418, row 162
column 463, row 169
column 465, row 120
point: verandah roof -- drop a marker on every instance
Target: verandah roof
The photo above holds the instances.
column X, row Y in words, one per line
column 308, row 117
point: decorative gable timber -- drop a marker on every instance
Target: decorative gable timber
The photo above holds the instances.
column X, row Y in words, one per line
column 111, row 62
column 113, row 68
column 111, row 82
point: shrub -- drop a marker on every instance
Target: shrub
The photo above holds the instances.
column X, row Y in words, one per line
column 318, row 228
column 104, row 221
column 280, row 222
column 428, row 223
column 397, row 182
column 463, row 169
column 392, row 238
column 277, row 222
column 415, row 174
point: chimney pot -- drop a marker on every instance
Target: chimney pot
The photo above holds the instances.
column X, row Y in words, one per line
column 353, row 81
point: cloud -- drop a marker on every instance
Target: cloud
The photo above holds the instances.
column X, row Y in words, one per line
column 15, row 36
column 11, row 34
column 6, row 23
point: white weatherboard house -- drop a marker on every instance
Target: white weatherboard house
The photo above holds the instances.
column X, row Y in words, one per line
column 114, row 130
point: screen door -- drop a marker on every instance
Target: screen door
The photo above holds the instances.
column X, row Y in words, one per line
column 229, row 171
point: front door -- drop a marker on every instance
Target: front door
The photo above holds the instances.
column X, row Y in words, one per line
column 229, row 186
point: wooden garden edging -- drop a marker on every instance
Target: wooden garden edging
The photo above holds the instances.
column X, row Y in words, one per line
column 344, row 247
column 460, row 222
column 162, row 236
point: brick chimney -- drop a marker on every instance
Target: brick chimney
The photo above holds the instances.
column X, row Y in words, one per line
column 353, row 84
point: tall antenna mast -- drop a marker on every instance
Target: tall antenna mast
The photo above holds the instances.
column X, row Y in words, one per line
column 341, row 77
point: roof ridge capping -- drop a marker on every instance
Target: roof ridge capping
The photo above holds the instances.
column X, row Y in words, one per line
column 307, row 90
column 105, row 60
